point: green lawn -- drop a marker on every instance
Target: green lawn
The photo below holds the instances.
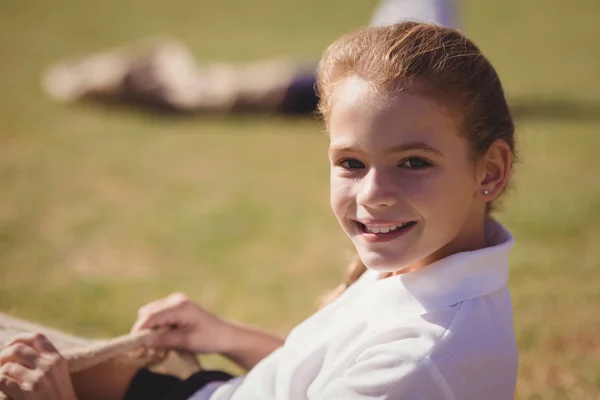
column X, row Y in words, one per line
column 104, row 210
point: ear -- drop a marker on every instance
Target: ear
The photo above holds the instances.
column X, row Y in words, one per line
column 495, row 170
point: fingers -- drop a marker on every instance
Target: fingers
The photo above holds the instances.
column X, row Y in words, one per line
column 31, row 367
column 35, row 340
column 171, row 339
column 20, row 382
column 19, row 353
column 27, row 338
column 168, row 311
column 44, row 346
column 32, row 350
column 19, row 373
column 10, row 387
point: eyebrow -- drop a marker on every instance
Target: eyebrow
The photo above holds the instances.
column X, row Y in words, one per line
column 395, row 149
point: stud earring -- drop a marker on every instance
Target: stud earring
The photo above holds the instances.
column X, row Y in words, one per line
column 486, row 192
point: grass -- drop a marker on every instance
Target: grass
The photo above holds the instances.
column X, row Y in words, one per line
column 104, row 210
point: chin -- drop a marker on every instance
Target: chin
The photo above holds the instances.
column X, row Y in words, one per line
column 383, row 262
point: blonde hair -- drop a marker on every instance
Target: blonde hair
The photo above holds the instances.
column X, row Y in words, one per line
column 433, row 61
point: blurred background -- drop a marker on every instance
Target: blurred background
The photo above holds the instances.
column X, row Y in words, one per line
column 104, row 209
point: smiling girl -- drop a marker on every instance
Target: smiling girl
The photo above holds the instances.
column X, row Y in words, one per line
column 421, row 146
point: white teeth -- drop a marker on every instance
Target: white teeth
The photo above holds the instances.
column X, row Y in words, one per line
column 384, row 229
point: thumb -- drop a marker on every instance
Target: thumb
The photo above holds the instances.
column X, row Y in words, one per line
column 43, row 345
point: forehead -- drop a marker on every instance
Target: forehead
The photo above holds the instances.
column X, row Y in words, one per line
column 363, row 116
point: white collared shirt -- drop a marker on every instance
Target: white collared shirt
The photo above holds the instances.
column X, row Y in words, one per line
column 444, row 332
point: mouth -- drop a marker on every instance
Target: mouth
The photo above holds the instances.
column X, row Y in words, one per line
column 384, row 232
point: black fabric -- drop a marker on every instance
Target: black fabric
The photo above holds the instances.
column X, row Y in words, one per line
column 147, row 385
column 191, row 385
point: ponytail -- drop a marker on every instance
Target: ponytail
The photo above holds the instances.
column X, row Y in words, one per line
column 354, row 271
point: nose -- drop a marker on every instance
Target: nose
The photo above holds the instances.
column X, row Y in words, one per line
column 376, row 190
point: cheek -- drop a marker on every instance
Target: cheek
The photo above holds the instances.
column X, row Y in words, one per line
column 422, row 190
column 441, row 191
column 341, row 193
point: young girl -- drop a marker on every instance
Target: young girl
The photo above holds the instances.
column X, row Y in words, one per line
column 421, row 145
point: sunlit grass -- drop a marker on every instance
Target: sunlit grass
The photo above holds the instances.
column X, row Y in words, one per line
column 104, row 210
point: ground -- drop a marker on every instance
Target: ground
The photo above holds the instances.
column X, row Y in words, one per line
column 103, row 210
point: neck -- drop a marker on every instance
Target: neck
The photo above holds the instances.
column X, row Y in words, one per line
column 470, row 238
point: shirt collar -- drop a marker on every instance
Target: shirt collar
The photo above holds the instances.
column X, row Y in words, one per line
column 451, row 280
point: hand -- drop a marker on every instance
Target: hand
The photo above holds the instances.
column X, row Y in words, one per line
column 195, row 329
column 32, row 369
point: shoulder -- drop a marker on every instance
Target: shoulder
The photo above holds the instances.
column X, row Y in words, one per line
column 390, row 369
column 446, row 353
column 478, row 354
column 481, row 326
column 388, row 358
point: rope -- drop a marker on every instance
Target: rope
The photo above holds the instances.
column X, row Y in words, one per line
column 99, row 352
column 81, row 359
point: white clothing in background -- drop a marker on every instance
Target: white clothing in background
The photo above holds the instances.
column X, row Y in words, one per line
column 440, row 12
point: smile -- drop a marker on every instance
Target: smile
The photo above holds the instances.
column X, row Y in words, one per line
column 384, row 229
column 384, row 232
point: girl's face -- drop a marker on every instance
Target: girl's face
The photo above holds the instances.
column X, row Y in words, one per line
column 403, row 184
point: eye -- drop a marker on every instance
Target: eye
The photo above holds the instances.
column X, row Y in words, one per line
column 351, row 163
column 415, row 163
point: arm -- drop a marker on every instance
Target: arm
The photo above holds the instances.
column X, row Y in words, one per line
column 247, row 346
column 91, row 383
column 396, row 370
column 198, row 331
column 32, row 368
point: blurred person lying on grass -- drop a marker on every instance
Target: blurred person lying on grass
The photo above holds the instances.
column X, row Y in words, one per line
column 421, row 146
column 164, row 76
